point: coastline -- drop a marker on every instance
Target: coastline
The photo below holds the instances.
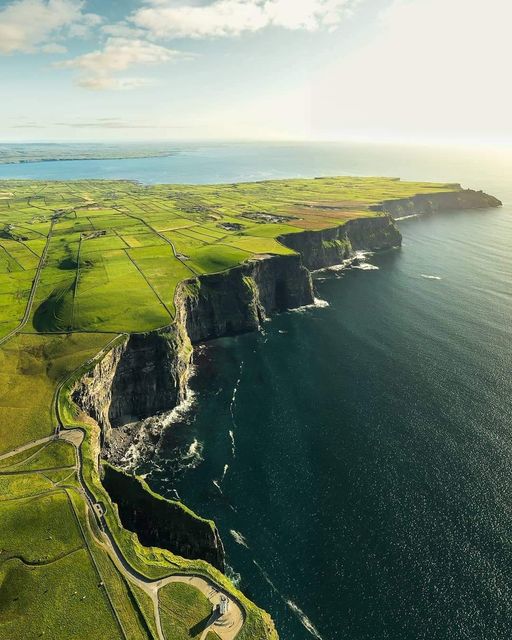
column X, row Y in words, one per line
column 255, row 300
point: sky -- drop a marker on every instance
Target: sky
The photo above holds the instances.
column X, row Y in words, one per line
column 428, row 71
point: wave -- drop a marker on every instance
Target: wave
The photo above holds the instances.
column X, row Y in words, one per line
column 357, row 261
column 232, row 404
column 317, row 304
column 233, row 575
column 179, row 412
column 302, row 617
column 412, row 215
column 233, row 446
column 193, row 456
column 239, row 538
column 427, row 277
column 306, row 622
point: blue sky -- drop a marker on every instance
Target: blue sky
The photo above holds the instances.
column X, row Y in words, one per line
column 405, row 70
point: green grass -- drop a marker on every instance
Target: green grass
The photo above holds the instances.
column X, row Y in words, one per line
column 61, row 601
column 109, row 269
column 38, row 529
column 31, row 368
column 53, row 455
column 184, row 611
column 218, row 257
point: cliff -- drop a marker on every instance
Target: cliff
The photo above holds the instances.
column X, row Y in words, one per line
column 434, row 202
column 142, row 376
column 321, row 249
column 238, row 300
column 162, row 523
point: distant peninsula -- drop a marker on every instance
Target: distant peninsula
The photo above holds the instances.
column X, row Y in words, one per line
column 54, row 152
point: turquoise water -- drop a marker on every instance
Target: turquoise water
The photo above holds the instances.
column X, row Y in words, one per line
column 358, row 457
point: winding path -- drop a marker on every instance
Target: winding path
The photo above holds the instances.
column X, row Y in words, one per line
column 226, row 627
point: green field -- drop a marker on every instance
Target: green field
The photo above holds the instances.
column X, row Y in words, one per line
column 80, row 264
column 118, row 250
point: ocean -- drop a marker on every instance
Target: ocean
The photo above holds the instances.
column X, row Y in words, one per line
column 357, row 456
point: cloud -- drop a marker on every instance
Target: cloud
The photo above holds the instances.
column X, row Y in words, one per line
column 27, row 25
column 232, row 17
column 99, row 68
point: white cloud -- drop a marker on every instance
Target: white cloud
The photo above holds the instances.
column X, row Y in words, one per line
column 26, row 25
column 233, row 17
column 99, row 68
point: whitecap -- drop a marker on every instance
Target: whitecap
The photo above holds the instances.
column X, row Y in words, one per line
column 193, row 456
column 306, row 622
column 412, row 215
column 233, row 447
column 365, row 266
column 427, row 277
column 239, row 538
column 180, row 411
column 317, row 304
column 233, row 575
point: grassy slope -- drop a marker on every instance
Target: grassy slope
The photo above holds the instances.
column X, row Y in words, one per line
column 111, row 268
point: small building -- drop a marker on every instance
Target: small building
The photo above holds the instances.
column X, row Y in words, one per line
column 224, row 605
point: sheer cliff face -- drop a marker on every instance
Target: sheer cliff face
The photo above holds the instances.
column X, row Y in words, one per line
column 238, row 300
column 141, row 377
column 321, row 249
column 163, row 523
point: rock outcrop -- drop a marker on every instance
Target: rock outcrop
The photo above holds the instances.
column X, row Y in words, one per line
column 442, row 201
column 162, row 523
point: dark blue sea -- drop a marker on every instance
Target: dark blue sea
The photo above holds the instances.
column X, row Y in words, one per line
column 357, row 456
